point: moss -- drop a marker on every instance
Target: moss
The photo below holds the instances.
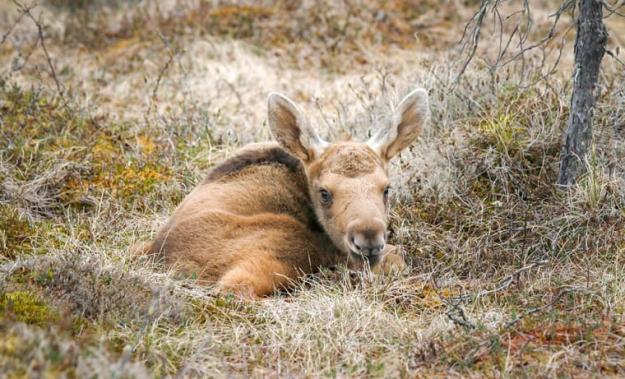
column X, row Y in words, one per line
column 42, row 137
column 80, row 157
column 26, row 307
column 16, row 233
column 503, row 133
column 20, row 236
column 221, row 307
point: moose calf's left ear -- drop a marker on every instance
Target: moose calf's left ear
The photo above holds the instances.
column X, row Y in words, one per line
column 291, row 130
column 407, row 124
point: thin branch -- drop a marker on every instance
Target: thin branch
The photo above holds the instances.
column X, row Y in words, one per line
column 563, row 8
column 6, row 35
column 472, row 33
column 171, row 56
column 456, row 313
column 16, row 66
column 476, row 20
column 610, row 53
column 613, row 9
column 41, row 38
column 554, row 67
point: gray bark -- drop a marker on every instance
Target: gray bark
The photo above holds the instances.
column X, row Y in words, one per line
column 589, row 49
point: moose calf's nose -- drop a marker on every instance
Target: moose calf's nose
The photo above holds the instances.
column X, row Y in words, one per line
column 368, row 239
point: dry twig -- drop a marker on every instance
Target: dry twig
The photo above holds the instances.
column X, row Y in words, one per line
column 6, row 35
column 26, row 10
column 503, row 283
column 472, row 33
column 171, row 56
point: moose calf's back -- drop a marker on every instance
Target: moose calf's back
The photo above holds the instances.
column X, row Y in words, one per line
column 252, row 209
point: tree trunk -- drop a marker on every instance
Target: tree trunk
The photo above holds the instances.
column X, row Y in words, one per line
column 589, row 49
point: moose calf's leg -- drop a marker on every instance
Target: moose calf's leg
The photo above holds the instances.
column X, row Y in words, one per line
column 256, row 277
column 392, row 261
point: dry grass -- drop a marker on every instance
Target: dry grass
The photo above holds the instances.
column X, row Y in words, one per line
column 509, row 275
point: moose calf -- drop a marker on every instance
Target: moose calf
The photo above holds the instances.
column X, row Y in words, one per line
column 276, row 211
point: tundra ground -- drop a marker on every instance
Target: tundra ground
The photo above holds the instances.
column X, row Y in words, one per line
column 509, row 275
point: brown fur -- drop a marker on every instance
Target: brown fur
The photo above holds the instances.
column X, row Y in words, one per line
column 350, row 160
column 275, row 155
column 273, row 212
column 347, row 159
column 239, row 225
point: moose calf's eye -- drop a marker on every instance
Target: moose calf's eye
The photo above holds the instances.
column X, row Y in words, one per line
column 386, row 191
column 326, row 197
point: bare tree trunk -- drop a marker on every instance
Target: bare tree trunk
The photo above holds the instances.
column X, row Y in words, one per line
column 589, row 49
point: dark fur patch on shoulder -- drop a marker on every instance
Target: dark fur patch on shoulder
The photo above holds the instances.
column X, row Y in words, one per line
column 254, row 157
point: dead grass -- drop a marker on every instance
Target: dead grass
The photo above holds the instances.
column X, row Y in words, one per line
column 509, row 275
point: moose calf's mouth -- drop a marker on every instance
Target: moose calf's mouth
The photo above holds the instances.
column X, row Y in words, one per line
column 368, row 251
column 370, row 255
column 372, row 260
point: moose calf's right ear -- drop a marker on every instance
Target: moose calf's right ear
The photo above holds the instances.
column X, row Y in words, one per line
column 291, row 130
column 407, row 124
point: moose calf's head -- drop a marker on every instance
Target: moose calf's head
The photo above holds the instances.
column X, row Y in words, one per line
column 348, row 181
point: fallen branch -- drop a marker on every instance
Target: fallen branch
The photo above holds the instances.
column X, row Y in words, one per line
column 542, row 308
column 459, row 318
column 503, row 283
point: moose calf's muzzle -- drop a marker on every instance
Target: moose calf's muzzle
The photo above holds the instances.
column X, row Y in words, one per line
column 367, row 238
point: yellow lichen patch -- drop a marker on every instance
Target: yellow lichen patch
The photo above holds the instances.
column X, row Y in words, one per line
column 116, row 168
column 146, row 143
column 139, row 180
column 26, row 307
column 133, row 180
column 74, row 190
column 433, row 298
column 104, row 149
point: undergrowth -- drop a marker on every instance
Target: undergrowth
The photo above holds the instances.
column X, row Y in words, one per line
column 509, row 274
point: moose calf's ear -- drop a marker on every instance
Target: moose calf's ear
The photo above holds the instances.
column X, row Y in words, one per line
column 407, row 124
column 291, row 130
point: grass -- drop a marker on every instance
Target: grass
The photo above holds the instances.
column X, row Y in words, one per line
column 509, row 275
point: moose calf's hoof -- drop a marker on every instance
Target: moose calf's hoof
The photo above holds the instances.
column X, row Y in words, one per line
column 392, row 263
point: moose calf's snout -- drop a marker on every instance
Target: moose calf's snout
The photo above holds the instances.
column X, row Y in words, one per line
column 367, row 237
